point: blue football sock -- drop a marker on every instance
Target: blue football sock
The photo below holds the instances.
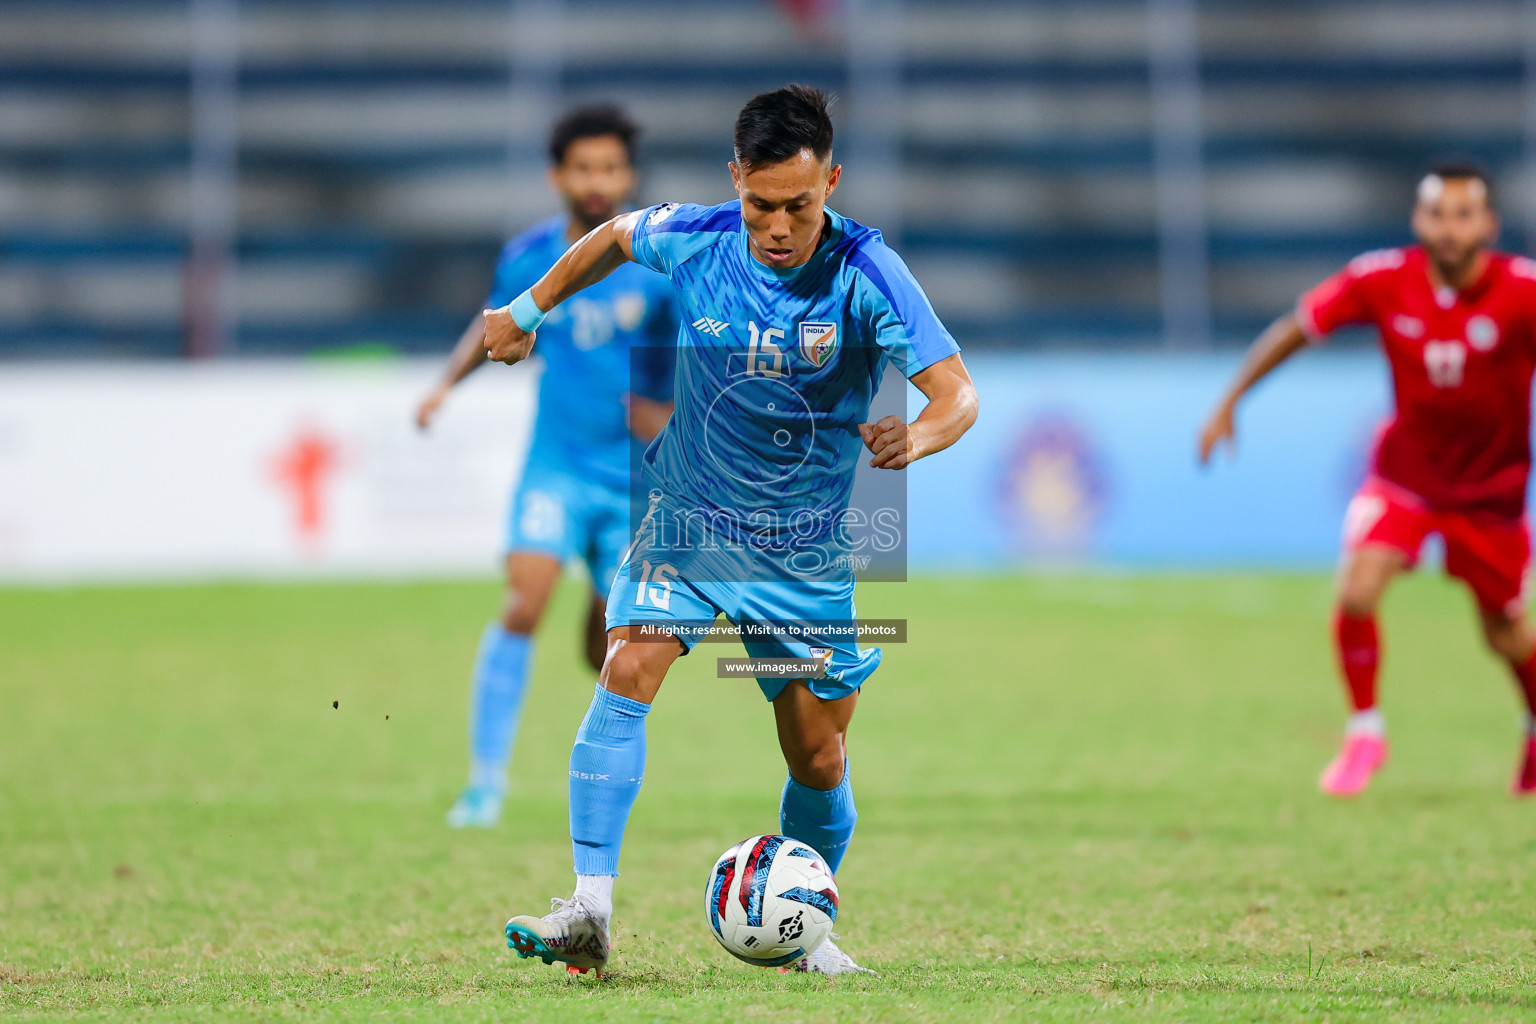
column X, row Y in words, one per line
column 823, row 819
column 501, row 682
column 607, row 764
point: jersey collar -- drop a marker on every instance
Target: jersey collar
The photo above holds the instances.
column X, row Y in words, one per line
column 1473, row 291
column 833, row 235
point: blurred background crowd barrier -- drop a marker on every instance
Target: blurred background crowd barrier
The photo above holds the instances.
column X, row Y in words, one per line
column 303, row 467
column 1104, row 199
column 250, row 469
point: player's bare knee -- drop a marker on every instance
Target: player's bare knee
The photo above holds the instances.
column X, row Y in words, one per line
column 1357, row 606
column 1504, row 645
column 821, row 768
column 1507, row 637
column 521, row 613
column 1359, row 596
column 621, row 669
column 629, row 670
column 1364, row 578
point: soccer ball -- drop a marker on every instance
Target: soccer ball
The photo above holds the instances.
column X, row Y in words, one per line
column 770, row 900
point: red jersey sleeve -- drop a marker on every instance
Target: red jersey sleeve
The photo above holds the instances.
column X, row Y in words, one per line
column 1344, row 298
column 1337, row 302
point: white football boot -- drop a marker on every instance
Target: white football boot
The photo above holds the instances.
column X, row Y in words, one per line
column 569, row 932
column 829, row 960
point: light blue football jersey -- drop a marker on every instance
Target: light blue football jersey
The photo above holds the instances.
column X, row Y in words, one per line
column 615, row 337
column 776, row 368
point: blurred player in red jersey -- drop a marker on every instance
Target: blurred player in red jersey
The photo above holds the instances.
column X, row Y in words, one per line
column 1458, row 324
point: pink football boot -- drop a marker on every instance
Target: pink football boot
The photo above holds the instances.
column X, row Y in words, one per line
column 1349, row 773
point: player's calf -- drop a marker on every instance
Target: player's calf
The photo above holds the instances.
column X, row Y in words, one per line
column 595, row 635
column 636, row 670
column 1524, row 782
column 817, row 804
column 1512, row 638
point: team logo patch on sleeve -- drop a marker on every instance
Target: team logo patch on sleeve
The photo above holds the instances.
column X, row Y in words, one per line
column 660, row 214
column 818, row 342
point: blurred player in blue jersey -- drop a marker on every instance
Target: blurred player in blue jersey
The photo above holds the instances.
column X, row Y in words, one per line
column 791, row 314
column 607, row 380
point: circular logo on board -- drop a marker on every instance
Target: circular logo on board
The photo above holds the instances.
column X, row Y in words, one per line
column 1053, row 486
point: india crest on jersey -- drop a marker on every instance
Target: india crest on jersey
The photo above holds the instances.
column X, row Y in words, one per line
column 817, row 342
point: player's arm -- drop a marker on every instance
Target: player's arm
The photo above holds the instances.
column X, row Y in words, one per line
column 645, row 416
column 509, row 331
column 950, row 411
column 468, row 356
column 1281, row 340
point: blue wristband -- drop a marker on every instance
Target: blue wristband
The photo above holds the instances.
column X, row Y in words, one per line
column 526, row 313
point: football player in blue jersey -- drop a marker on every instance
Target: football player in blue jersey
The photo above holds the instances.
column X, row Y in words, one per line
column 607, row 381
column 790, row 313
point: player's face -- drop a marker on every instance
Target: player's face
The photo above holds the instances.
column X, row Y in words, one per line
column 784, row 206
column 1453, row 221
column 595, row 178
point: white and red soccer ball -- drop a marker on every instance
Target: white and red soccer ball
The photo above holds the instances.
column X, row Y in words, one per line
column 771, row 900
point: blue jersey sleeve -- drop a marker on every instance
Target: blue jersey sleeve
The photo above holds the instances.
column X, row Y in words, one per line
column 903, row 321
column 670, row 234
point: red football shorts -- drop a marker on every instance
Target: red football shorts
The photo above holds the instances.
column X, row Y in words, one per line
column 1489, row 554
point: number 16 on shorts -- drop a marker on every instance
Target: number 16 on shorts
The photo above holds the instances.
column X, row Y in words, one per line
column 655, row 585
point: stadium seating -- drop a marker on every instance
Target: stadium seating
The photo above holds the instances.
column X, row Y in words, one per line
column 376, row 178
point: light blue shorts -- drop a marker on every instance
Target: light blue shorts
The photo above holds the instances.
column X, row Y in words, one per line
column 653, row 587
column 555, row 512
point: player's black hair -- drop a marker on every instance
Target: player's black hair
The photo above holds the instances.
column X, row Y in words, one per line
column 1462, row 169
column 589, row 123
column 774, row 126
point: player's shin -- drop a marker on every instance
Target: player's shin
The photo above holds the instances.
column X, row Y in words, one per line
column 1525, row 678
column 500, row 684
column 1357, row 645
column 823, row 819
column 1365, row 746
column 1524, row 783
column 607, row 764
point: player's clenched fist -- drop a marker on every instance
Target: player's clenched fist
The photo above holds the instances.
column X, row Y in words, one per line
column 504, row 340
column 890, row 441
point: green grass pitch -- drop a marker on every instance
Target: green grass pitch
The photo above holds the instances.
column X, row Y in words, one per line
column 1079, row 797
